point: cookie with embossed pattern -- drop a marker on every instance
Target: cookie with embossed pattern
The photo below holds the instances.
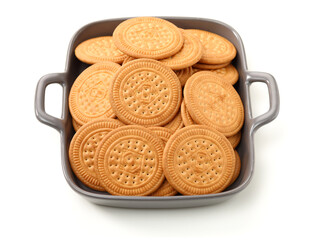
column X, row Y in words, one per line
column 75, row 125
column 198, row 160
column 176, row 123
column 203, row 66
column 190, row 53
column 213, row 102
column 145, row 92
column 184, row 74
column 217, row 49
column 186, row 117
column 229, row 73
column 89, row 94
column 129, row 161
column 148, row 37
column 235, row 139
column 83, row 147
column 99, row 49
column 237, row 169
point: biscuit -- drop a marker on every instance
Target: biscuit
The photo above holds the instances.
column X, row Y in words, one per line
column 186, row 117
column 145, row 92
column 83, row 147
column 204, row 66
column 217, row 49
column 228, row 73
column 184, row 74
column 237, row 168
column 235, row 139
column 75, row 125
column 162, row 132
column 190, row 53
column 129, row 161
column 176, row 123
column 148, row 37
column 88, row 97
column 165, row 190
column 128, row 59
column 99, row 49
column 198, row 160
column 213, row 102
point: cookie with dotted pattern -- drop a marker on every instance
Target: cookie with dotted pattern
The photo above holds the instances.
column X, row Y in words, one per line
column 99, row 49
column 129, row 161
column 228, row 73
column 148, row 37
column 89, row 94
column 190, row 53
column 198, row 160
column 83, row 147
column 213, row 102
column 217, row 49
column 145, row 92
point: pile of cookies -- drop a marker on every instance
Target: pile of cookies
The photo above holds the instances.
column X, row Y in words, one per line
column 156, row 113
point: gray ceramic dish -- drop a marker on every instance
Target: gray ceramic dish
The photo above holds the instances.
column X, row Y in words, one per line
column 245, row 148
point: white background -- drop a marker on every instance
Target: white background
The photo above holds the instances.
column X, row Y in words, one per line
column 283, row 199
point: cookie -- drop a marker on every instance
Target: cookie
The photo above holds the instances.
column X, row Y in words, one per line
column 145, row 92
column 190, row 53
column 228, row 73
column 165, row 190
column 128, row 59
column 129, row 161
column 184, row 74
column 204, row 66
column 148, row 37
column 237, row 168
column 99, row 49
column 235, row 139
column 162, row 132
column 217, row 49
column 198, row 160
column 75, row 125
column 88, row 97
column 186, row 117
column 176, row 123
column 213, row 102
column 83, row 147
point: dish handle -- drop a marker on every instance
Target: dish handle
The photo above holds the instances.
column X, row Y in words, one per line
column 274, row 99
column 41, row 114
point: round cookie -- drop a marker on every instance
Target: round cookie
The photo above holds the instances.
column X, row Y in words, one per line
column 204, row 66
column 148, row 37
column 217, row 49
column 237, row 168
column 198, row 160
column 228, row 73
column 99, row 49
column 83, row 147
column 165, row 190
column 213, row 102
column 184, row 74
column 88, row 97
column 75, row 125
column 128, row 59
column 176, row 123
column 145, row 92
column 190, row 53
column 235, row 139
column 186, row 117
column 129, row 161
column 162, row 132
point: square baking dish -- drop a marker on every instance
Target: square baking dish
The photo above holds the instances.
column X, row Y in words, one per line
column 245, row 149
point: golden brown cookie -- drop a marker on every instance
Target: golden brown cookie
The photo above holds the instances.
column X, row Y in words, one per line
column 83, row 147
column 148, row 37
column 162, row 132
column 198, row 160
column 237, row 168
column 165, row 190
column 190, row 53
column 99, row 49
column 128, row 59
column 228, row 73
column 75, row 125
column 145, row 92
column 129, row 161
column 235, row 139
column 184, row 74
column 213, row 102
column 217, row 49
column 176, row 123
column 203, row 66
column 88, row 97
column 186, row 117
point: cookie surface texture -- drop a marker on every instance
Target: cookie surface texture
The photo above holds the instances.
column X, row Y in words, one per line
column 198, row 160
column 165, row 190
column 213, row 102
column 148, row 37
column 145, row 92
column 99, row 49
column 83, row 147
column 184, row 74
column 89, row 94
column 235, row 139
column 129, row 161
column 190, row 53
column 186, row 117
column 217, row 49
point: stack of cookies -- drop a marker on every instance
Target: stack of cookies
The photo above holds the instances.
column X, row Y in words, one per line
column 164, row 122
